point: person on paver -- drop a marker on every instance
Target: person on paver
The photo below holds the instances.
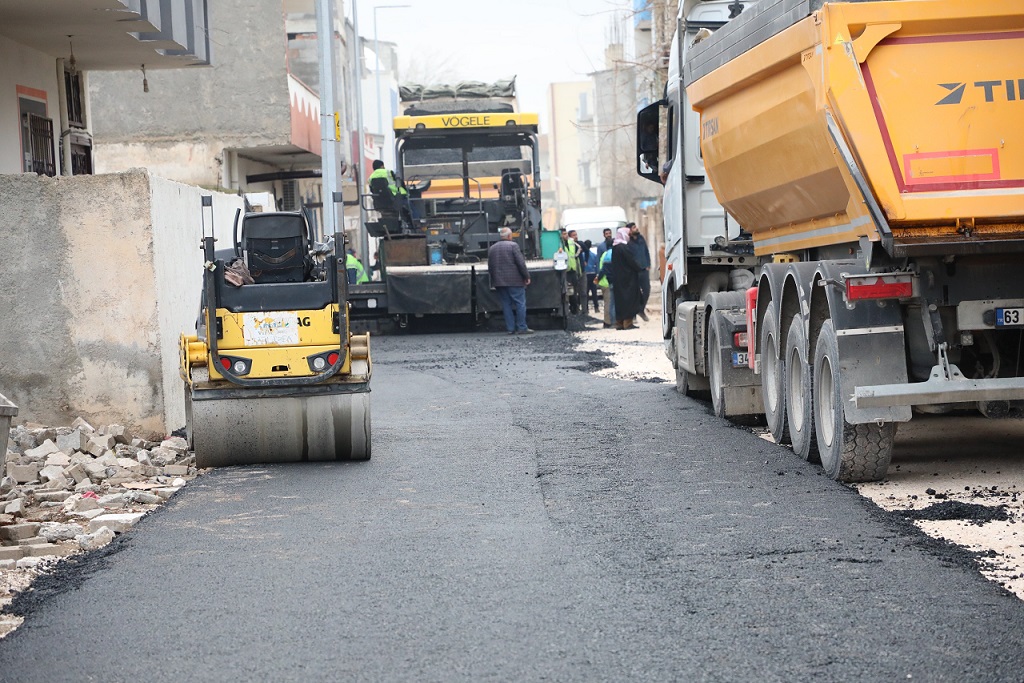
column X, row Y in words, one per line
column 384, row 181
column 604, row 282
column 354, row 269
column 638, row 247
column 625, row 281
column 510, row 278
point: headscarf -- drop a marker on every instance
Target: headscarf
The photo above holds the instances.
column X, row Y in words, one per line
column 621, row 236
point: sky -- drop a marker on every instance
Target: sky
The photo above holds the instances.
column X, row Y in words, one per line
column 537, row 41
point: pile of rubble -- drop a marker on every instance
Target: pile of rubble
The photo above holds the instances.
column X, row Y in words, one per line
column 70, row 489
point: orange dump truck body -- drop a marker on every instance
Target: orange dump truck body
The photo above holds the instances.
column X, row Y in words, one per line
column 897, row 122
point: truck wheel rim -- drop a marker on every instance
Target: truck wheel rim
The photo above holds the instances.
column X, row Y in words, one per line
column 826, row 402
column 771, row 372
column 796, row 386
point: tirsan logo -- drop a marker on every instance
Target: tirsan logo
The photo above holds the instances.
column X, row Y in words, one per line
column 1013, row 89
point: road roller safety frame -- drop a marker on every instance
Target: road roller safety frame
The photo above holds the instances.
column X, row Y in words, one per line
column 273, row 373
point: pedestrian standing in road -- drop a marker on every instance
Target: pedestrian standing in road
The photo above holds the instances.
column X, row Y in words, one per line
column 510, row 278
column 638, row 247
column 604, row 274
column 590, row 271
column 625, row 280
column 606, row 244
column 575, row 272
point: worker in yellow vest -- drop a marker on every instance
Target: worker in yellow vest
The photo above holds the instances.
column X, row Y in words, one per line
column 354, row 269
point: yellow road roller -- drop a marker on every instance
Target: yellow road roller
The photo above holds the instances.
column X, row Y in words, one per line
column 273, row 373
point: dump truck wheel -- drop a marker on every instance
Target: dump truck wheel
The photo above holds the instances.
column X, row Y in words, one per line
column 849, row 452
column 773, row 387
column 714, row 366
column 799, row 406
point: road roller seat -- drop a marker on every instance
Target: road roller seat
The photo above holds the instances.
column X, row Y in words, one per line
column 276, row 247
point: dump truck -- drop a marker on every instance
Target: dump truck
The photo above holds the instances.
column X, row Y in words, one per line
column 470, row 163
column 859, row 257
column 273, row 373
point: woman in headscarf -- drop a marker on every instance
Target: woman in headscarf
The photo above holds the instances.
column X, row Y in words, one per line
column 625, row 279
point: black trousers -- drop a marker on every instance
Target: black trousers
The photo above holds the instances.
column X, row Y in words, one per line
column 645, row 286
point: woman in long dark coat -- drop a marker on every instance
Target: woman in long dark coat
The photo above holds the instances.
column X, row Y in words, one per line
column 625, row 279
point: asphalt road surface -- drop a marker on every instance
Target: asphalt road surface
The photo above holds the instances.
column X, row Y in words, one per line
column 522, row 519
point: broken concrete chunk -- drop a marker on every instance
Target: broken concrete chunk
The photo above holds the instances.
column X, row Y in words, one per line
column 59, row 458
column 128, row 463
column 96, row 539
column 30, row 562
column 87, row 514
column 56, row 531
column 79, row 423
column 76, row 472
column 175, row 470
column 113, row 500
column 175, row 443
column 107, row 459
column 35, row 540
column 95, row 448
column 48, row 550
column 6, row 484
column 51, row 472
column 39, row 453
column 143, row 457
column 75, row 441
column 18, row 532
column 11, row 552
column 23, row 473
column 143, row 498
column 52, row 496
column 161, row 456
column 118, row 432
column 15, row 507
column 116, row 522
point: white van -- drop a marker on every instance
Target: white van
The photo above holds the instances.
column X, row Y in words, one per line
column 590, row 222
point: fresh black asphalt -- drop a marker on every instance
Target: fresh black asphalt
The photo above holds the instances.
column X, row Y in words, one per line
column 521, row 519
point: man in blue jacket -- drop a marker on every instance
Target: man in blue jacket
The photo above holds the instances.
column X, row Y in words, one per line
column 638, row 247
column 509, row 277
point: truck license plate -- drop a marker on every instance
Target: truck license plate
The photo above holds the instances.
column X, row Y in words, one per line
column 739, row 359
column 1009, row 317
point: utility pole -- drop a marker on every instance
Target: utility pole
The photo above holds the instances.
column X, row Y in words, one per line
column 330, row 167
column 364, row 241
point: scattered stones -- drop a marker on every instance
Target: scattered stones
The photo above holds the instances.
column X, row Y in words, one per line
column 68, row 490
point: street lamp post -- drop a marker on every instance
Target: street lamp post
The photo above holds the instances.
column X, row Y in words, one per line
column 376, row 70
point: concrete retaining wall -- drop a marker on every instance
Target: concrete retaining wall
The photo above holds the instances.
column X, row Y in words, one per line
column 100, row 276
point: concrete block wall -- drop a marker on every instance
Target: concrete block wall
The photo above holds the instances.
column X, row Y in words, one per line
column 100, row 276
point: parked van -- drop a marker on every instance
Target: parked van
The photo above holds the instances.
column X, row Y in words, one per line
column 590, row 222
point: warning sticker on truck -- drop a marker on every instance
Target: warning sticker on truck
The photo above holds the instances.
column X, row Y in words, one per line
column 280, row 328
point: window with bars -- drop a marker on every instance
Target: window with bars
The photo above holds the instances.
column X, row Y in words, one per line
column 76, row 103
column 37, row 133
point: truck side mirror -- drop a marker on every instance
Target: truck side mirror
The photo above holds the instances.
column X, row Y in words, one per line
column 648, row 128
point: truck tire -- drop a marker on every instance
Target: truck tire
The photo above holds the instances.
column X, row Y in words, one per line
column 714, row 366
column 799, row 403
column 773, row 386
column 849, row 452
